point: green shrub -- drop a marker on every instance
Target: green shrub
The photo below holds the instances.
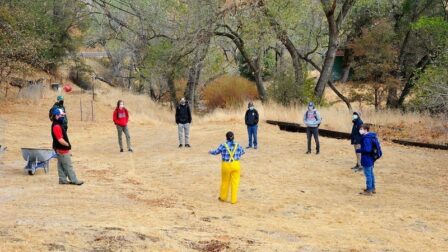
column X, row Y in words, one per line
column 285, row 91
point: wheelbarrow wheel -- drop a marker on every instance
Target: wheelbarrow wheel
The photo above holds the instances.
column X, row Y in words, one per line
column 31, row 172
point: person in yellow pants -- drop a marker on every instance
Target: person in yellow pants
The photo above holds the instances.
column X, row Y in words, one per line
column 231, row 153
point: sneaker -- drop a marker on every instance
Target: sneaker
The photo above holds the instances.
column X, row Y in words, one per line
column 121, row 150
column 355, row 167
column 248, row 147
column 256, row 147
column 130, row 150
column 373, row 191
column 308, row 152
column 219, row 198
column 64, row 182
column 180, row 146
column 360, row 169
column 188, row 146
column 79, row 182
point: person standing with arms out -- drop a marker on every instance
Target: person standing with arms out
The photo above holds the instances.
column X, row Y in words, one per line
column 312, row 120
column 251, row 119
column 355, row 138
column 62, row 147
column 370, row 151
column 231, row 153
column 183, row 121
column 59, row 105
column 121, row 119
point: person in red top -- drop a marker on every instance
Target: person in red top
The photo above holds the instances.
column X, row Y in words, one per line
column 62, row 146
column 121, row 118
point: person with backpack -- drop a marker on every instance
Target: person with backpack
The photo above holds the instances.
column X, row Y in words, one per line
column 231, row 153
column 121, row 119
column 183, row 121
column 251, row 118
column 370, row 151
column 62, row 147
column 59, row 104
column 312, row 120
column 355, row 138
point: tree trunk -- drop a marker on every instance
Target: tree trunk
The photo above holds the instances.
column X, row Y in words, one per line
column 259, row 81
column 421, row 66
column 348, row 59
column 392, row 97
column 195, row 72
column 327, row 69
column 282, row 35
column 172, row 88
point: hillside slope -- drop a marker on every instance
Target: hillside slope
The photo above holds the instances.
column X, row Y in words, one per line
column 164, row 198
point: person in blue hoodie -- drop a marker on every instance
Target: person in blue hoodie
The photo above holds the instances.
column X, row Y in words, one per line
column 312, row 120
column 355, row 138
column 367, row 159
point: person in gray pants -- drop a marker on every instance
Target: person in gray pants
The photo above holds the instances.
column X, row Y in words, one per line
column 183, row 121
column 312, row 120
column 121, row 119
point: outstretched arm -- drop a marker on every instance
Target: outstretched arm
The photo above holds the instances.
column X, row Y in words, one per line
column 217, row 151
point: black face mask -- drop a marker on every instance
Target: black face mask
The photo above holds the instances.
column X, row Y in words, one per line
column 61, row 102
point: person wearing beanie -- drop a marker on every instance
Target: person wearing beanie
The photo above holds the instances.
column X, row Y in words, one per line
column 59, row 104
column 231, row 153
column 121, row 119
column 62, row 147
column 312, row 120
column 251, row 118
column 183, row 121
column 356, row 137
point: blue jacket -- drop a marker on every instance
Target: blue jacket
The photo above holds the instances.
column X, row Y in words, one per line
column 355, row 136
column 366, row 149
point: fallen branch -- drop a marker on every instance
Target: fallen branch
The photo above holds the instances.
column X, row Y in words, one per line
column 423, row 145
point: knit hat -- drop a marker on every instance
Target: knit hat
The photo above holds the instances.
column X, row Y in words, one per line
column 251, row 104
column 60, row 98
column 311, row 104
column 357, row 113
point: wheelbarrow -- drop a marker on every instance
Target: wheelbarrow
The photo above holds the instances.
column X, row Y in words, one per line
column 37, row 159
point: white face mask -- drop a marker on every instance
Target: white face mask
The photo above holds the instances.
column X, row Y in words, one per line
column 355, row 117
column 251, row 108
column 310, row 108
column 121, row 105
column 362, row 131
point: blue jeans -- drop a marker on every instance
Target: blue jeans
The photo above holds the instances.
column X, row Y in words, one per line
column 252, row 132
column 370, row 178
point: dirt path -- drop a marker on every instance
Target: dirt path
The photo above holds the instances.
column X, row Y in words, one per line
column 165, row 199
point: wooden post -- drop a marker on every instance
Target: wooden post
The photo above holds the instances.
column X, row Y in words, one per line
column 93, row 117
column 80, row 107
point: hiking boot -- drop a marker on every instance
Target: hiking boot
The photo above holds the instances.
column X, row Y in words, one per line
column 373, row 191
column 64, row 182
column 219, row 198
column 180, row 146
column 308, row 152
column 79, row 182
column 188, row 146
column 121, row 150
column 130, row 150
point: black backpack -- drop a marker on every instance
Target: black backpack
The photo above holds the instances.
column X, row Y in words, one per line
column 377, row 153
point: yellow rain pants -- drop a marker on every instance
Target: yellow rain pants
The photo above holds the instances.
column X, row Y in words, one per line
column 230, row 173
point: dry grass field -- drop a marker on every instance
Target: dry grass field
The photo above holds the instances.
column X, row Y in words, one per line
column 161, row 198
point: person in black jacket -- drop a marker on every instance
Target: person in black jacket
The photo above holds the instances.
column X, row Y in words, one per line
column 183, row 121
column 59, row 105
column 251, row 120
column 356, row 138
